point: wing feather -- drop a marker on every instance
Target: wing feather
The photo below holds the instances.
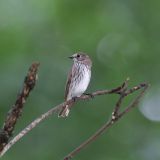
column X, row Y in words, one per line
column 68, row 84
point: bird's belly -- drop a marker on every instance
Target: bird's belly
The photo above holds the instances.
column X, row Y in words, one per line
column 81, row 87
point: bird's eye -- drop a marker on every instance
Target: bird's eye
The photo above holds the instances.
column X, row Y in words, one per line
column 78, row 55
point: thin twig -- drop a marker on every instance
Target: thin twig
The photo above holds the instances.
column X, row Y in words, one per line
column 16, row 110
column 30, row 127
column 55, row 110
column 121, row 90
column 136, row 100
column 112, row 120
column 122, row 95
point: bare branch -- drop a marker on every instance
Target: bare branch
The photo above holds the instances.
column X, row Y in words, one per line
column 16, row 110
column 122, row 95
column 55, row 110
column 115, row 117
column 29, row 83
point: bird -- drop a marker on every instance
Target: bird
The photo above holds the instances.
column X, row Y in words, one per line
column 78, row 79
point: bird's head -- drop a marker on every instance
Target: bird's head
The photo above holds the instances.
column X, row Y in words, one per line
column 79, row 57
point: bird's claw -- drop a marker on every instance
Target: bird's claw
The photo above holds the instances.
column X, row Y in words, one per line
column 89, row 94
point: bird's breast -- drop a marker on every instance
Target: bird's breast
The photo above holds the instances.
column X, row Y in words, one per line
column 82, row 82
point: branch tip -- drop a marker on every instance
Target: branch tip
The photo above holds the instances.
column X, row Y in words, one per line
column 16, row 110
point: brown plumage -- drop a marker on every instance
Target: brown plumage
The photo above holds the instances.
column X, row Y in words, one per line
column 78, row 79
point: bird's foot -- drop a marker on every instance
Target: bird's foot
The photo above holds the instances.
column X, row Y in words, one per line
column 89, row 94
column 74, row 99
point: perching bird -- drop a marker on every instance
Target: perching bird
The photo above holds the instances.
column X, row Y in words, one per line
column 78, row 79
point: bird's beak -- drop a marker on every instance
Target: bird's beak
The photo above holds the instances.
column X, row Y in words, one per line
column 71, row 57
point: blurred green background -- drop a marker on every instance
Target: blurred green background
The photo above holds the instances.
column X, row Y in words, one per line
column 122, row 38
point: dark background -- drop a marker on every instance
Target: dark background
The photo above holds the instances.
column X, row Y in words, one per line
column 122, row 38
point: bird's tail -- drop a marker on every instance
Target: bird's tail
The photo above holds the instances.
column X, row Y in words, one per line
column 64, row 112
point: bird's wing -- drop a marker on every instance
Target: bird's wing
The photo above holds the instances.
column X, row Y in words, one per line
column 68, row 84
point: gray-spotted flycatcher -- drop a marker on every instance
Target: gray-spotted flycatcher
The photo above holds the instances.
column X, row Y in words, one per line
column 78, row 79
